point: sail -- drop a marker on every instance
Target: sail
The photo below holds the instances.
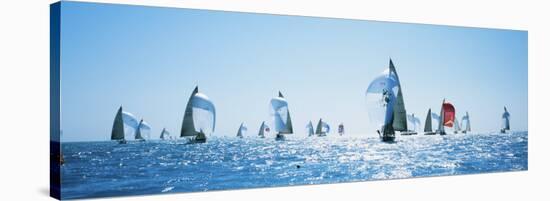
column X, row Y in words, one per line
column 399, row 113
column 322, row 127
column 309, row 128
column 124, row 123
column 164, row 134
column 448, row 114
column 281, row 115
column 143, row 130
column 200, row 115
column 428, row 122
column 242, row 130
column 341, row 129
column 380, row 98
column 264, row 129
column 413, row 121
column 506, row 120
column 466, row 122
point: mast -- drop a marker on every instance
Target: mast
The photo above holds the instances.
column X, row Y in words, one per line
column 428, row 124
column 118, row 126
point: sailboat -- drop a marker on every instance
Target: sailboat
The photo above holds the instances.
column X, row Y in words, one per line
column 164, row 134
column 143, row 129
column 309, row 128
column 446, row 117
column 322, row 128
column 341, row 129
column 281, row 116
column 505, row 121
column 386, row 105
column 466, row 123
column 414, row 122
column 428, row 123
column 263, row 130
column 199, row 118
column 242, row 130
column 123, row 124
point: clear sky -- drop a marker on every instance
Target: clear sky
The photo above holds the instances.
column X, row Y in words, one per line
column 149, row 60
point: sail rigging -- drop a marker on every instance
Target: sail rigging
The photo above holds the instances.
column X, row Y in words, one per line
column 200, row 115
column 281, row 115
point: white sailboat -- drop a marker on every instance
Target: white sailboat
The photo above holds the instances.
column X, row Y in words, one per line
column 466, row 123
column 242, row 130
column 341, row 130
column 322, row 128
column 505, row 121
column 281, row 116
column 164, row 134
column 143, row 130
column 456, row 126
column 413, row 125
column 309, row 128
column 124, row 124
column 199, row 118
column 386, row 105
column 264, row 129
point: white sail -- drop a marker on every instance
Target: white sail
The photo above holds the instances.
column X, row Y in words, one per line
column 281, row 115
column 413, row 122
column 505, row 120
column 143, row 130
column 200, row 115
column 309, row 128
column 456, row 125
column 381, row 96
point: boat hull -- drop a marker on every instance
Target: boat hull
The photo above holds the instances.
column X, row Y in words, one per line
column 388, row 138
column 280, row 137
column 429, row 133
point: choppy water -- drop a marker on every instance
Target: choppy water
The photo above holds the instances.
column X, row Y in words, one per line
column 98, row 169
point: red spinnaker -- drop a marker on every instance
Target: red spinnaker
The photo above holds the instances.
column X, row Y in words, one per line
column 448, row 114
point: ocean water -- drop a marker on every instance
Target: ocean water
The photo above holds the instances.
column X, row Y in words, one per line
column 99, row 169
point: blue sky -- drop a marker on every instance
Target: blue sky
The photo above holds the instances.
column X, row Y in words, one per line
column 149, row 59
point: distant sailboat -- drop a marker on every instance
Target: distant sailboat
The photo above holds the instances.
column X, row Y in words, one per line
column 446, row 117
column 386, row 104
column 466, row 123
column 199, row 118
column 322, row 128
column 123, row 124
column 341, row 129
column 242, row 130
column 505, row 121
column 428, row 123
column 456, row 126
column 413, row 125
column 143, row 129
column 164, row 134
column 263, row 130
column 309, row 128
column 281, row 116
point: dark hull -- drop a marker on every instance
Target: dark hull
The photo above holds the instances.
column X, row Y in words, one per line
column 280, row 137
column 388, row 138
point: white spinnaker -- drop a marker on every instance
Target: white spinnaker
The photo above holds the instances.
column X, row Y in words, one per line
column 381, row 96
column 204, row 113
column 279, row 114
column 325, row 128
column 413, row 122
column 130, row 124
column 145, row 130
column 309, row 128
